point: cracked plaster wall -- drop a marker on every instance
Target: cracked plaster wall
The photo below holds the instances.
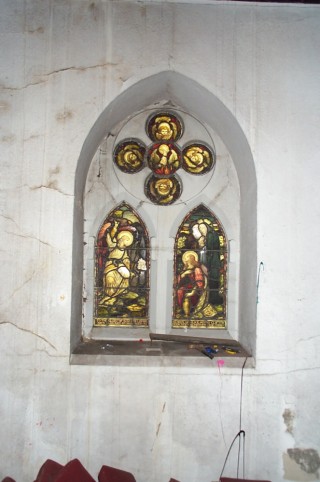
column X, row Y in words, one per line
column 62, row 63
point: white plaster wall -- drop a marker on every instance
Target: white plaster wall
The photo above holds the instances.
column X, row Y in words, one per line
column 62, row 63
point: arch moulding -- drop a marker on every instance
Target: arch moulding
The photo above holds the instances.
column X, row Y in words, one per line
column 193, row 98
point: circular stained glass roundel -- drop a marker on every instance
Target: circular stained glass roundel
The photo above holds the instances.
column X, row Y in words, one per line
column 197, row 158
column 164, row 126
column 129, row 155
column 164, row 158
column 162, row 190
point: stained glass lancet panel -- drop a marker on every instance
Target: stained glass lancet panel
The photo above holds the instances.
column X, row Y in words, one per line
column 122, row 260
column 200, row 272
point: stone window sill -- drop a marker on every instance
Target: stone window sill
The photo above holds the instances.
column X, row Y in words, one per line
column 156, row 353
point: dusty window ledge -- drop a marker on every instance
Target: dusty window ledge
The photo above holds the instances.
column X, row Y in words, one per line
column 157, row 353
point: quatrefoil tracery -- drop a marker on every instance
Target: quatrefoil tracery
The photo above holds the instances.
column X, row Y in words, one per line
column 163, row 157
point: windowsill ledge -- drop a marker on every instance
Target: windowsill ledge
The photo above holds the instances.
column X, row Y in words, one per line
column 155, row 353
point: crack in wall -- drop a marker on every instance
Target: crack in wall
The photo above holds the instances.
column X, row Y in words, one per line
column 52, row 355
column 26, row 236
column 295, row 370
column 51, row 185
column 300, row 340
column 9, row 218
column 158, row 426
column 27, row 330
column 19, row 288
column 45, row 77
column 220, row 192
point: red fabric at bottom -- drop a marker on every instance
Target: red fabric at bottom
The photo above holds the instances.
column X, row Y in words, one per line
column 74, row 471
column 49, row 471
column 110, row 474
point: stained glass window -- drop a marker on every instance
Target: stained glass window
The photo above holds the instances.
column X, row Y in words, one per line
column 164, row 126
column 162, row 190
column 122, row 260
column 200, row 272
column 164, row 156
column 129, row 156
column 197, row 158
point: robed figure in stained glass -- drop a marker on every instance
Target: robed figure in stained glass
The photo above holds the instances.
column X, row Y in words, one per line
column 122, row 277
column 192, row 292
column 117, row 271
column 200, row 272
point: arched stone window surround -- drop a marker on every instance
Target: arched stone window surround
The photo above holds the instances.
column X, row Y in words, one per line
column 193, row 98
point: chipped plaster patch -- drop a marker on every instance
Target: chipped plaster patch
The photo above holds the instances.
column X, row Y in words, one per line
column 10, row 138
column 301, row 465
column 36, row 30
column 52, row 184
column 55, row 170
column 63, row 116
column 308, row 459
column 288, row 418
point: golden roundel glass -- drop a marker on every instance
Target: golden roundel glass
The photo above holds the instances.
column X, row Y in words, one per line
column 162, row 190
column 197, row 158
column 164, row 158
column 129, row 156
column 164, row 126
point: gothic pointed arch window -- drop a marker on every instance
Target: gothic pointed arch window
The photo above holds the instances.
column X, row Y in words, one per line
column 159, row 186
column 200, row 272
column 122, row 270
column 160, row 162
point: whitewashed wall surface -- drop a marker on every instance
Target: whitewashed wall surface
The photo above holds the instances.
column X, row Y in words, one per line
column 63, row 63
